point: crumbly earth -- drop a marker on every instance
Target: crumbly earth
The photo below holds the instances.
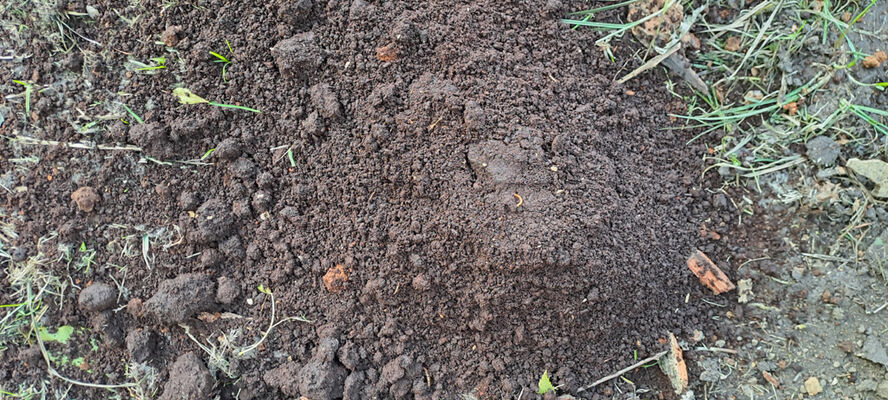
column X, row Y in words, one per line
column 499, row 207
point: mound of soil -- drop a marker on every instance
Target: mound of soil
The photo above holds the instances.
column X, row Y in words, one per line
column 455, row 195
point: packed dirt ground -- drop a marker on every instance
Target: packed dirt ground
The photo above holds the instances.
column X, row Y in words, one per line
column 372, row 199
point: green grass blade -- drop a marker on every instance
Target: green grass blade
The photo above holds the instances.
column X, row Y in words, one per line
column 605, row 26
column 133, row 114
column 213, row 103
column 220, row 57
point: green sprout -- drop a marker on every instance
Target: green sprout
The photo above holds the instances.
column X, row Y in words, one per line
column 224, row 61
column 186, row 96
column 290, row 156
column 26, row 94
column 159, row 63
column 545, row 385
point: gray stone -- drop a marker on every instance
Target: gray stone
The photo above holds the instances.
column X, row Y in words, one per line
column 823, row 150
column 874, row 351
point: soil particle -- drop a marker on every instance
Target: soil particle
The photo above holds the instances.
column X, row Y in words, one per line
column 135, row 308
column 873, row 61
column 313, row 127
column 189, row 379
column 110, row 326
column 97, row 297
column 473, row 116
column 181, row 297
column 882, row 389
column 228, row 149
column 189, row 201
column 85, row 198
column 732, row 44
column 141, row 344
column 349, row 356
column 261, row 201
column 500, row 163
column 210, row 258
column 420, row 282
column 153, row 138
column 233, row 248
column 170, row 35
column 243, row 168
column 214, row 221
column 282, row 378
column 325, row 101
column 823, row 150
column 353, row 387
column 335, row 279
column 297, row 57
column 296, row 11
column 228, row 291
column 322, row 377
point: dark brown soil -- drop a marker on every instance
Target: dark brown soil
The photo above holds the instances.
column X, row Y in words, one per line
column 497, row 205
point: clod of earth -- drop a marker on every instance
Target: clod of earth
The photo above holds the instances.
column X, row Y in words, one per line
column 141, row 344
column 85, row 198
column 709, row 274
column 335, row 279
column 812, row 386
column 97, row 297
column 673, row 365
column 189, row 379
column 182, row 297
column 297, row 57
column 874, row 170
column 823, row 150
column 732, row 44
column 873, row 61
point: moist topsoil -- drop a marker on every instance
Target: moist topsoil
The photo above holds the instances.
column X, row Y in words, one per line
column 453, row 198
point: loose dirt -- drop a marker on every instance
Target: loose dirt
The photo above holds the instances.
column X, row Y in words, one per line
column 490, row 204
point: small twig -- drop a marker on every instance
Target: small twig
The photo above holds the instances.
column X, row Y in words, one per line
column 654, row 357
column 27, row 140
column 717, row 350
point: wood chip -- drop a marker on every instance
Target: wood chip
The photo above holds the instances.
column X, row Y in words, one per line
column 709, row 274
column 673, row 365
column 770, row 379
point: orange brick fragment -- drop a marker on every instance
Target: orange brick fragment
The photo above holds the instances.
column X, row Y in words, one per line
column 387, row 53
column 335, row 278
column 709, row 274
